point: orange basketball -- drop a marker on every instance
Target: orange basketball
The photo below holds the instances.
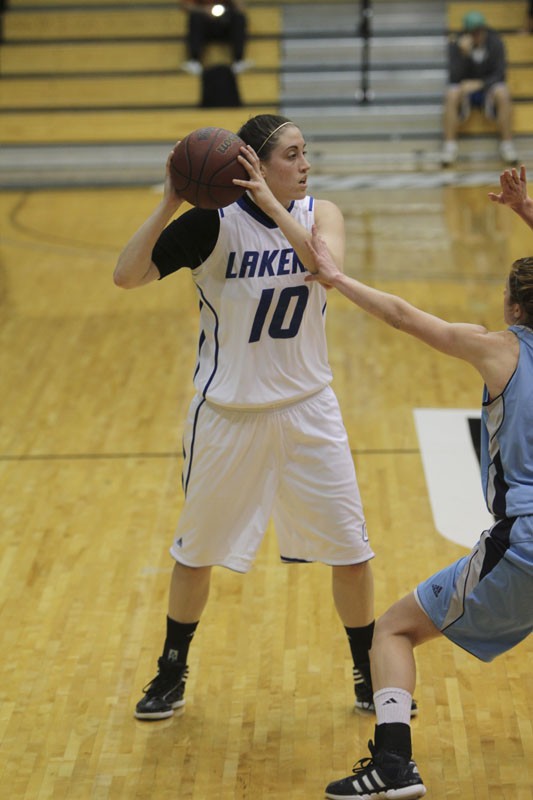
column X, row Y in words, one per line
column 203, row 167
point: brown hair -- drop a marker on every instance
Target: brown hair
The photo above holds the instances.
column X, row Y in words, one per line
column 263, row 131
column 521, row 287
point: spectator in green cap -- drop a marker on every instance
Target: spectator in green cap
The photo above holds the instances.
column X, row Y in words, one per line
column 476, row 79
column 473, row 21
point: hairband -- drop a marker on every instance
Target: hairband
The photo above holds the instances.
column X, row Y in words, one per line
column 270, row 135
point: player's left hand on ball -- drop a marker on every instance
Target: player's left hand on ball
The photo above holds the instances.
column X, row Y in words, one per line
column 169, row 190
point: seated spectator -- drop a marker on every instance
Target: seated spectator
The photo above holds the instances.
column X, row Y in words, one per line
column 476, row 69
column 210, row 21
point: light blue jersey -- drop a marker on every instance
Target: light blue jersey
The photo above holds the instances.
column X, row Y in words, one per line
column 507, row 438
column 484, row 601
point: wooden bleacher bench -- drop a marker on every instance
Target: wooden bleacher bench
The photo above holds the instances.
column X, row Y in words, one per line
column 477, row 123
column 519, row 48
column 56, row 59
column 107, row 127
column 520, row 81
column 124, row 91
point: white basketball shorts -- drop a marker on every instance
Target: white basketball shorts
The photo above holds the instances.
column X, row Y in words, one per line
column 292, row 463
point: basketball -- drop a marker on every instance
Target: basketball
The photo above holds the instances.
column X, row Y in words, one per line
column 203, row 166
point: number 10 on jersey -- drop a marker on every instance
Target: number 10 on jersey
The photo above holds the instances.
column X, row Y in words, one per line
column 286, row 308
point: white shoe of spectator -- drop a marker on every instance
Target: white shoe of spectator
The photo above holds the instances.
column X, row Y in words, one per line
column 241, row 66
column 449, row 154
column 508, row 152
column 192, row 67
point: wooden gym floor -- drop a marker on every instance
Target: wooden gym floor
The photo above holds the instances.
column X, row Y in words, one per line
column 95, row 385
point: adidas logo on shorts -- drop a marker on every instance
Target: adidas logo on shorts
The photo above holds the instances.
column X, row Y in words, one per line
column 436, row 589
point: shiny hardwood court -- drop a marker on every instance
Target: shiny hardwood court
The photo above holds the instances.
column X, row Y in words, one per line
column 95, row 385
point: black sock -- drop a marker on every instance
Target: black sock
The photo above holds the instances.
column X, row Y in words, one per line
column 360, row 640
column 395, row 737
column 179, row 637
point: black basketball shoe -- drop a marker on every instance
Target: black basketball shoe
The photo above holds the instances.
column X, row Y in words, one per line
column 384, row 775
column 364, row 694
column 164, row 693
column 362, row 683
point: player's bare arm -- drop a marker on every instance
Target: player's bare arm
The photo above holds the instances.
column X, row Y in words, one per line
column 494, row 355
column 514, row 194
column 135, row 266
column 329, row 223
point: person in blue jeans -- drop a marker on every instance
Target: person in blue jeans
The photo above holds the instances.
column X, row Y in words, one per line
column 477, row 79
column 484, row 601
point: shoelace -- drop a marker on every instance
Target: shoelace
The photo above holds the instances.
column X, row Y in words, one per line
column 362, row 765
column 165, row 679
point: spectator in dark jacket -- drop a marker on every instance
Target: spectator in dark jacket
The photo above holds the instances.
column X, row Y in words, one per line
column 476, row 79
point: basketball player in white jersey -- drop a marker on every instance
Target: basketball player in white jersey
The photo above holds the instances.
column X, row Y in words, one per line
column 264, row 436
column 484, row 601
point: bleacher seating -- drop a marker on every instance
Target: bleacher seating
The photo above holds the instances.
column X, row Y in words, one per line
column 107, row 73
column 405, row 83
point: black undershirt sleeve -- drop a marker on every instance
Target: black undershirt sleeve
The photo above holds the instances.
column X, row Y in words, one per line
column 187, row 241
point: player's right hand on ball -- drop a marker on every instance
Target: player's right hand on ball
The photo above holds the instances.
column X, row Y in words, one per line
column 169, row 191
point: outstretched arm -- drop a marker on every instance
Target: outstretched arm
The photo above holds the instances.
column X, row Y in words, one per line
column 486, row 351
column 514, row 194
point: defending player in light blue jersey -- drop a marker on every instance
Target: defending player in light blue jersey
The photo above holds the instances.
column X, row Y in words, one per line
column 484, row 601
column 264, row 435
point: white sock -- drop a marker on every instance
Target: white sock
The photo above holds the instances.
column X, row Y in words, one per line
column 392, row 705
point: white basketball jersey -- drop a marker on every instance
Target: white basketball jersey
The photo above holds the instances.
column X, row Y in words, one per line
column 262, row 327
